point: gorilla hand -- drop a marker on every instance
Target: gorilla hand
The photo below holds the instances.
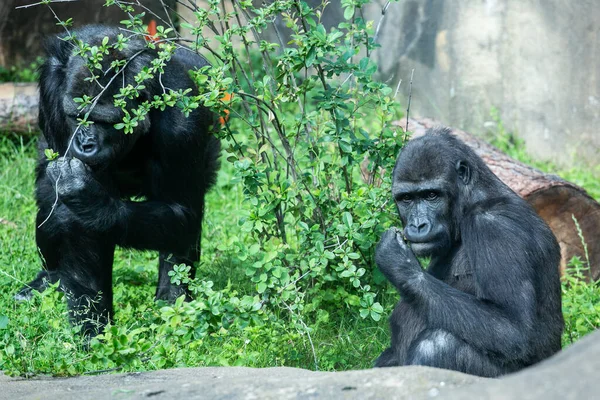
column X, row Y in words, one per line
column 77, row 188
column 395, row 259
column 71, row 177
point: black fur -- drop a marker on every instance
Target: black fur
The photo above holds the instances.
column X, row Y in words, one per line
column 490, row 301
column 169, row 162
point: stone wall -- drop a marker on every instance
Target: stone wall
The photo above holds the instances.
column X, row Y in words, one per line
column 537, row 61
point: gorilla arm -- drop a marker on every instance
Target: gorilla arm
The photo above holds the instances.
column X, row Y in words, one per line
column 148, row 224
column 498, row 319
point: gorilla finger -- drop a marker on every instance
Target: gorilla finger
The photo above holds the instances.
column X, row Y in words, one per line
column 53, row 170
column 78, row 167
column 400, row 239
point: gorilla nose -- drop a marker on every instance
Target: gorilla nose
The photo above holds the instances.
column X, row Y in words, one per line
column 85, row 145
column 417, row 230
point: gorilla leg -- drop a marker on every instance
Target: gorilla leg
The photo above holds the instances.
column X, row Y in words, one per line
column 48, row 245
column 165, row 290
column 82, row 261
column 387, row 359
column 85, row 274
column 406, row 325
column 441, row 349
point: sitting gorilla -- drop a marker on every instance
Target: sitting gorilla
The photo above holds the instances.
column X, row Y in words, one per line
column 85, row 197
column 490, row 301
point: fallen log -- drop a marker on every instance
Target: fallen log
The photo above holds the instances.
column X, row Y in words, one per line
column 18, row 107
column 554, row 199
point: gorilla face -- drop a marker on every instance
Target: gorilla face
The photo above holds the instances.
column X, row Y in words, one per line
column 425, row 214
column 100, row 144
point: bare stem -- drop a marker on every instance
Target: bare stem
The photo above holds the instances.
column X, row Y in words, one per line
column 409, row 98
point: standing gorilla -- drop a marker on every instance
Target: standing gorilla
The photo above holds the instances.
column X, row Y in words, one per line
column 169, row 162
column 489, row 303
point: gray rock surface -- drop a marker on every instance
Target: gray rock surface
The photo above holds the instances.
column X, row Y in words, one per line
column 243, row 383
column 536, row 61
column 572, row 374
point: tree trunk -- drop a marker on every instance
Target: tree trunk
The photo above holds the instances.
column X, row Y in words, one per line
column 18, row 107
column 6, row 7
column 554, row 199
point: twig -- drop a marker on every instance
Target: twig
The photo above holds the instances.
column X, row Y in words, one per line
column 103, row 371
column 380, row 22
column 294, row 282
column 397, row 88
column 162, row 3
column 44, row 3
column 307, row 333
column 409, row 97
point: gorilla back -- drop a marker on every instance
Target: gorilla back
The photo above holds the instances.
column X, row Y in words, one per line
column 490, row 301
column 168, row 161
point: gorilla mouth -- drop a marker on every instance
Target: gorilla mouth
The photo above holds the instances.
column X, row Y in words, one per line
column 423, row 248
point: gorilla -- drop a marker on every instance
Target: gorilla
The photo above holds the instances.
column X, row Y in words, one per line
column 490, row 301
column 142, row 190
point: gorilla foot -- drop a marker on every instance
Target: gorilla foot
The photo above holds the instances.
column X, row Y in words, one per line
column 41, row 282
column 171, row 293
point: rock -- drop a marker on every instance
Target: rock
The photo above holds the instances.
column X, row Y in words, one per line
column 244, row 383
column 571, row 374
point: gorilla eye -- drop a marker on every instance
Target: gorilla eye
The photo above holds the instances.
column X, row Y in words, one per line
column 405, row 198
column 431, row 196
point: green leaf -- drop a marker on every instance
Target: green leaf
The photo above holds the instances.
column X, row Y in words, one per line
column 375, row 316
column 261, row 287
column 376, row 307
column 50, row 154
column 3, row 321
column 347, row 219
column 348, row 13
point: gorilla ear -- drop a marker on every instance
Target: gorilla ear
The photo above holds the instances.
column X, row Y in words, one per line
column 464, row 171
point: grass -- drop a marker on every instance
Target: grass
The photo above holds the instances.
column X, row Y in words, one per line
column 35, row 337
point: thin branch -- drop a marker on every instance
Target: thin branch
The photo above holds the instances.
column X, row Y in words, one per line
column 45, row 3
column 307, row 333
column 409, row 98
column 397, row 88
column 380, row 22
column 149, row 12
column 162, row 3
